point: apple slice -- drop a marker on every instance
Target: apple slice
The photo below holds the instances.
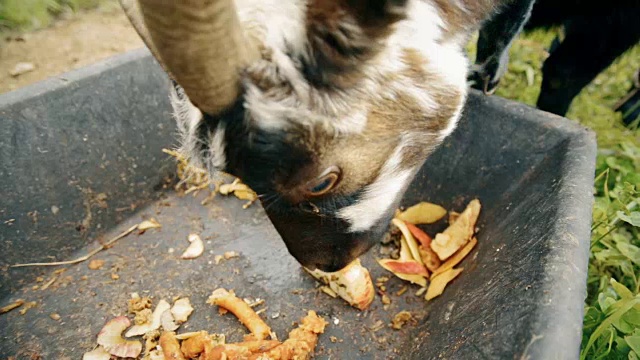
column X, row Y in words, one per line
column 438, row 283
column 353, row 284
column 457, row 234
column 429, row 257
column 456, row 258
column 422, row 213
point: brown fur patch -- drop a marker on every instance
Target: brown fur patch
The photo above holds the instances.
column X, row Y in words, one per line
column 343, row 34
column 464, row 16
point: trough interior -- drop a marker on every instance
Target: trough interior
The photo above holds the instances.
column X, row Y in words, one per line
column 101, row 130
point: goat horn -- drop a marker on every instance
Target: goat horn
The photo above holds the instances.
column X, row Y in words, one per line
column 200, row 43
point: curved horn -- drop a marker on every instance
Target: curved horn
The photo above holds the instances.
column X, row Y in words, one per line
column 202, row 45
column 132, row 10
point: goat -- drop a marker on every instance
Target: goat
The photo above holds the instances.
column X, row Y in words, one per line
column 595, row 35
column 327, row 109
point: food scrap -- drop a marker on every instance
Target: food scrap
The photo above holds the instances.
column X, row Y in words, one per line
column 353, row 284
column 165, row 344
column 401, row 319
column 421, row 257
column 148, row 224
column 195, row 249
column 110, row 338
column 422, row 213
column 14, row 305
column 95, row 264
column 229, row 301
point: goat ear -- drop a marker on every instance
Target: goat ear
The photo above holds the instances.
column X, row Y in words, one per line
column 342, row 34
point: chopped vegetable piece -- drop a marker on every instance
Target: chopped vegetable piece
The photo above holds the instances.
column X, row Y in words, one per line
column 428, row 256
column 457, row 257
column 149, row 224
column 98, row 353
column 14, row 305
column 242, row 311
column 181, row 310
column 95, row 264
column 422, row 213
column 410, row 241
column 195, row 249
column 401, row 319
column 110, row 337
column 403, row 267
column 457, row 234
column 170, row 346
column 156, row 321
column 352, row 283
column 438, row 283
column 301, row 342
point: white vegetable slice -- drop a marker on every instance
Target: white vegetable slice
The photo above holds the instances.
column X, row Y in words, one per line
column 181, row 310
column 195, row 249
column 110, row 337
column 98, row 353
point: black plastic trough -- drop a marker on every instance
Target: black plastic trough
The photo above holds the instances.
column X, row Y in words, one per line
column 100, row 130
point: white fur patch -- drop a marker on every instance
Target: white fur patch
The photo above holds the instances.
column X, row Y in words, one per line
column 216, row 158
column 188, row 118
column 380, row 194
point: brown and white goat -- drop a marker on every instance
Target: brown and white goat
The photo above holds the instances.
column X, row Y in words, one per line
column 327, row 109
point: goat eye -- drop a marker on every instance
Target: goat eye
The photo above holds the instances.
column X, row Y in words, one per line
column 323, row 184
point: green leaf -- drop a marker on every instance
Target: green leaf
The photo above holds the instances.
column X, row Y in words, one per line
column 621, row 290
column 630, row 251
column 633, row 218
column 625, row 305
column 634, row 342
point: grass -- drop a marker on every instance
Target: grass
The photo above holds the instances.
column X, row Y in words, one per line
column 611, row 326
column 24, row 15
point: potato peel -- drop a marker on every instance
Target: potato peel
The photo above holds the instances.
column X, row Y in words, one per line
column 456, row 258
column 353, row 284
column 422, row 213
column 110, row 337
column 438, row 283
column 457, row 234
column 195, row 249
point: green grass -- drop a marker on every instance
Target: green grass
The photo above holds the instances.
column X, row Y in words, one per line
column 34, row 14
column 612, row 307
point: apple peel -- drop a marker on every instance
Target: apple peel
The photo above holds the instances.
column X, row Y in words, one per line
column 110, row 337
column 422, row 213
column 457, row 234
column 456, row 258
column 438, row 283
column 410, row 241
column 98, row 353
column 403, row 267
column 428, row 256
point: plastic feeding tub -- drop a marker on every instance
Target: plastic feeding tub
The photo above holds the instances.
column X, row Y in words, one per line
column 81, row 161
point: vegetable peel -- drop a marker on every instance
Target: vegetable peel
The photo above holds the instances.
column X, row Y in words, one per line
column 110, row 337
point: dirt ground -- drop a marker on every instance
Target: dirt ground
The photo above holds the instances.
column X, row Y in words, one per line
column 80, row 40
